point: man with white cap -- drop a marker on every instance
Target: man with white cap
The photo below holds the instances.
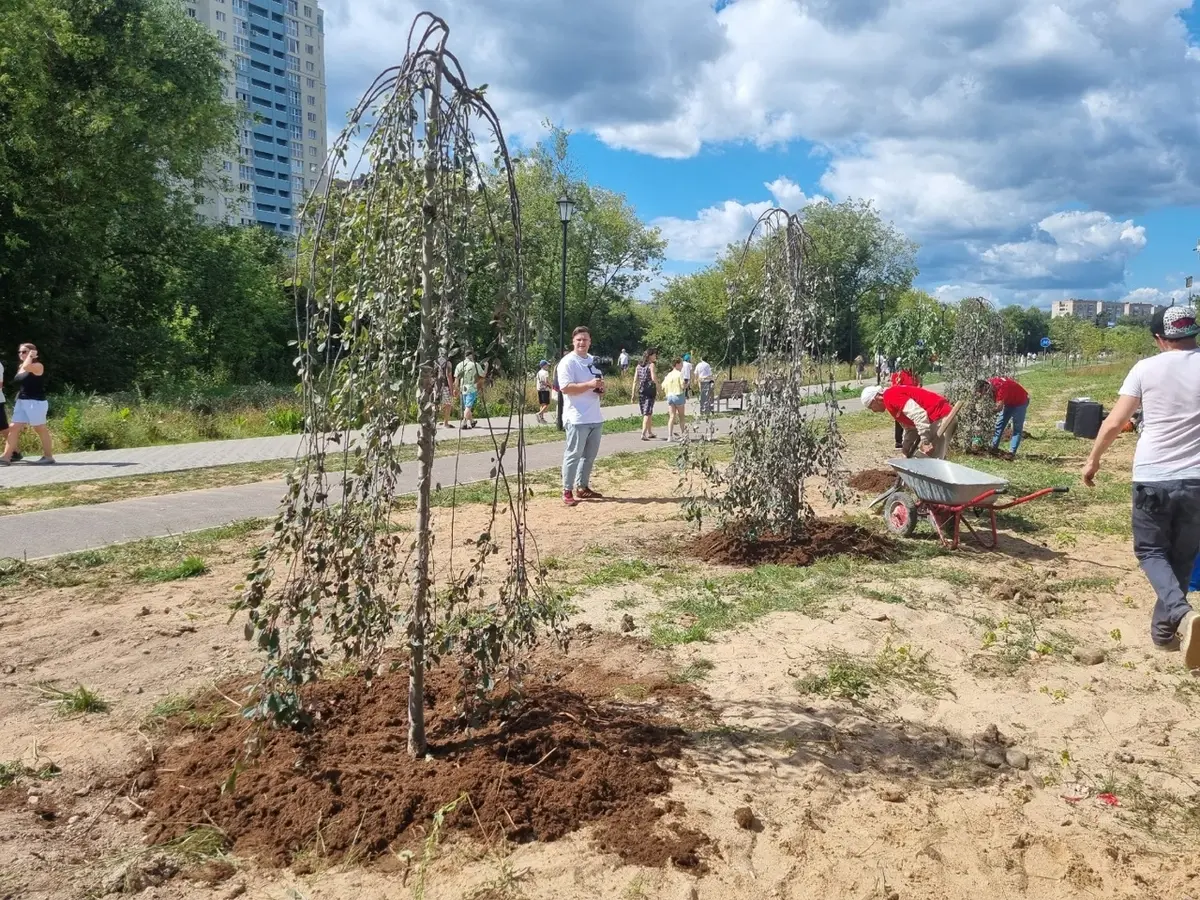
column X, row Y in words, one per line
column 1166, row 473
column 918, row 411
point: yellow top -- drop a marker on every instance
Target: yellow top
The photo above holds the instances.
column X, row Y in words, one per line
column 673, row 383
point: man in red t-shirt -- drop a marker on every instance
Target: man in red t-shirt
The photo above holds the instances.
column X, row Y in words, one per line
column 918, row 412
column 1012, row 402
column 904, row 377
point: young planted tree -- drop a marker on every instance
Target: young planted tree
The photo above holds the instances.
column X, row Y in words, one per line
column 980, row 349
column 789, row 434
column 385, row 275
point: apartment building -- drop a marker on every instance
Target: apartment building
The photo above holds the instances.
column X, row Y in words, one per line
column 1080, row 309
column 275, row 54
column 1140, row 311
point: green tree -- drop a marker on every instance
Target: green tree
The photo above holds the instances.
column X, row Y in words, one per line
column 917, row 331
column 108, row 112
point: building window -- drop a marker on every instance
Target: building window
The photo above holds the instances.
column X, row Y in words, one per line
column 310, row 67
column 312, row 101
column 308, row 31
column 312, row 134
column 222, row 37
column 294, row 45
column 293, row 27
column 227, row 166
column 293, row 79
column 240, row 44
column 312, row 167
column 191, row 13
column 220, row 16
column 308, row 48
column 239, row 27
column 294, row 63
column 297, row 131
column 308, row 12
column 312, row 151
column 312, row 83
column 294, row 97
column 246, row 173
column 294, row 114
column 239, row 7
column 312, row 117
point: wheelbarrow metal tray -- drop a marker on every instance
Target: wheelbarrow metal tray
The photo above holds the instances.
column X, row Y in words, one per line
column 939, row 481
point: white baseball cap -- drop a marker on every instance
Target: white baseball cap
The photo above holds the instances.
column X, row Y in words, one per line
column 870, row 393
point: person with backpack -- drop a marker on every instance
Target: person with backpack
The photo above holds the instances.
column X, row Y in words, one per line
column 645, row 392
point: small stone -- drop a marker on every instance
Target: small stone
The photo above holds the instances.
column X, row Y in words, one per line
column 138, row 691
column 879, row 617
column 627, row 623
column 1162, row 741
column 1017, row 760
column 10, row 670
column 992, row 757
column 891, row 894
column 95, row 632
column 1033, row 656
column 1124, row 756
column 234, row 890
column 145, row 612
column 1088, row 656
column 1066, row 823
column 72, row 820
column 892, row 795
column 744, row 816
column 34, row 800
column 1021, row 842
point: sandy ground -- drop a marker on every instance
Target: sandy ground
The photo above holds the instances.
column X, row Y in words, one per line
column 890, row 797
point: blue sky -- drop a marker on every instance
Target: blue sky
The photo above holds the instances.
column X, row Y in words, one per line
column 1034, row 150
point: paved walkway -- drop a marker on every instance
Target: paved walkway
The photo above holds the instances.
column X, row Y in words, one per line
column 71, row 529
column 99, row 464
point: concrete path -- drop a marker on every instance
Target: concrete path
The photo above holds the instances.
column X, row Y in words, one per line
column 99, row 464
column 71, row 529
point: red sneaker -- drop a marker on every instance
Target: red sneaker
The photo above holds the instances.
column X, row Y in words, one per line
column 569, row 499
column 584, row 493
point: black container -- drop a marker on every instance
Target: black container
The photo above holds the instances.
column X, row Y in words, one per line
column 1088, row 416
column 1072, row 408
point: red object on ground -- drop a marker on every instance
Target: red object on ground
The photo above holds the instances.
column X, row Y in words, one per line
column 1110, row 799
column 1009, row 392
column 936, row 406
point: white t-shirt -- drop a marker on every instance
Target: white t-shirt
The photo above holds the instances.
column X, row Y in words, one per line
column 623, row 359
column 579, row 409
column 703, row 371
column 1169, row 387
column 687, row 371
column 543, row 379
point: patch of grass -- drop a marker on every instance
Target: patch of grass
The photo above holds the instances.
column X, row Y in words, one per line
column 618, row 572
column 191, row 567
column 1009, row 642
column 80, row 701
column 632, row 692
column 14, row 769
column 627, row 602
column 1159, row 812
column 199, row 843
column 884, row 596
column 697, row 670
column 857, row 678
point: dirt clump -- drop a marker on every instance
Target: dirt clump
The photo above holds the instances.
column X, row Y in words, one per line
column 561, row 755
column 820, row 538
column 873, row 481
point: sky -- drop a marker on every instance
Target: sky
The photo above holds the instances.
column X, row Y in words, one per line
column 1035, row 150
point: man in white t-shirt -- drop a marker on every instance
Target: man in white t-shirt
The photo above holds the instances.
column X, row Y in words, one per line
column 623, row 361
column 704, row 375
column 581, row 386
column 1166, row 473
column 468, row 374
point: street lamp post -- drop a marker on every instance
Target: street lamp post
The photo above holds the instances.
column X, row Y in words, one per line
column 853, row 325
column 566, row 207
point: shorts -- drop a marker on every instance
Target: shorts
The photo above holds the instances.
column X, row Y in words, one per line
column 30, row 412
column 544, row 398
column 3, row 416
column 676, row 399
column 646, row 405
column 469, row 398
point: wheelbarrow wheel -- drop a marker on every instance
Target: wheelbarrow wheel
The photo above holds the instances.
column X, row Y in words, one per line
column 900, row 514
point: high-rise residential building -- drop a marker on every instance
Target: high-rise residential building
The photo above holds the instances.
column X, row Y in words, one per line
column 1080, row 309
column 275, row 55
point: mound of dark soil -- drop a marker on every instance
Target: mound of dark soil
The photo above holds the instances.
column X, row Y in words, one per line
column 821, row 538
column 873, row 481
column 566, row 755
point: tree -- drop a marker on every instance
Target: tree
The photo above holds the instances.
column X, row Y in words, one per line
column 108, row 112
column 980, row 350
column 386, row 275
column 1026, row 327
column 866, row 265
column 918, row 331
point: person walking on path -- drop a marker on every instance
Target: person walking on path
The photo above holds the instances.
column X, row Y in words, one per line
column 582, row 388
column 903, row 378
column 543, row 390
column 918, row 411
column 704, row 375
column 645, row 391
column 1166, row 473
column 860, row 366
column 676, row 390
column 469, row 375
column 443, row 388
column 686, row 373
column 1012, row 403
column 30, row 408
column 623, row 362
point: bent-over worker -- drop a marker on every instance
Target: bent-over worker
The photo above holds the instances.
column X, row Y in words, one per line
column 918, row 411
column 1012, row 402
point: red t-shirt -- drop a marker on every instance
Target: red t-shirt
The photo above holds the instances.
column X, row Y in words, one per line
column 936, row 406
column 1009, row 392
column 905, row 378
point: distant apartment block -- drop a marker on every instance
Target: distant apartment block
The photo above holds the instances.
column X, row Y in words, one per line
column 1080, row 309
column 1141, row 311
column 275, row 54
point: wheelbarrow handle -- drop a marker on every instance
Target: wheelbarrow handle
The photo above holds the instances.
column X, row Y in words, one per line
column 1061, row 490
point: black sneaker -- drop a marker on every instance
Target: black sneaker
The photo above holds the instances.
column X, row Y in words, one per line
column 17, row 456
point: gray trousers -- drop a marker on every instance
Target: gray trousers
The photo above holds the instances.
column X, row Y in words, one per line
column 583, row 443
column 1166, row 538
column 706, row 396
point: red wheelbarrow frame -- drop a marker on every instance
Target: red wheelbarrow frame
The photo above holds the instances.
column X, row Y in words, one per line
column 943, row 514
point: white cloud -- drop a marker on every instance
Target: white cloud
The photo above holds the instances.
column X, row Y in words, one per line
column 1156, row 296
column 703, row 238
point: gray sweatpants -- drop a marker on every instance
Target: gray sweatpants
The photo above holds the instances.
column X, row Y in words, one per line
column 1166, row 538
column 583, row 443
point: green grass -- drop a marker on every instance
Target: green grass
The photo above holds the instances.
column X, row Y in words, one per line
column 199, row 843
column 189, row 712
column 858, row 678
column 15, row 769
column 619, row 572
column 1007, row 643
column 80, row 701
column 697, row 670
column 191, row 567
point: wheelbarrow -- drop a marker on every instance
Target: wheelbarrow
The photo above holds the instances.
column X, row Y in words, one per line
column 944, row 492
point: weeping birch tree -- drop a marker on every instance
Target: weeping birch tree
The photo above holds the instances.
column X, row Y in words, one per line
column 392, row 250
column 980, row 349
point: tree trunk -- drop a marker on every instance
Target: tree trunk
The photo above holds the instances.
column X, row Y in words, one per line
column 427, row 426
